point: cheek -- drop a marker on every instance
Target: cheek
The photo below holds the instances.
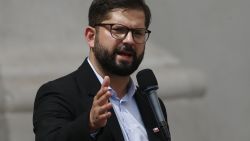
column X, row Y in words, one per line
column 140, row 49
column 108, row 42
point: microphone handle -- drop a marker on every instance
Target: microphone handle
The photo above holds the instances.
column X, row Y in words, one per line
column 156, row 107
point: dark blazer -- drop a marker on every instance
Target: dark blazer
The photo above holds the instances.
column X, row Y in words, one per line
column 62, row 107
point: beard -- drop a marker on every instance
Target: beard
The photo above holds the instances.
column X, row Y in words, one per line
column 108, row 62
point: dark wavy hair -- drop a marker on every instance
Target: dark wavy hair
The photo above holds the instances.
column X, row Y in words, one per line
column 99, row 9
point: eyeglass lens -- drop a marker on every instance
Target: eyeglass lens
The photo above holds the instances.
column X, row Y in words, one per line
column 120, row 32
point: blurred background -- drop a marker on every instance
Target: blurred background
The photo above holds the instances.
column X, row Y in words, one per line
column 198, row 49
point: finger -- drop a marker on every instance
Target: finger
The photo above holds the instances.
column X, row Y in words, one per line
column 104, row 87
column 104, row 98
column 101, row 92
column 106, row 81
column 104, row 116
column 104, row 108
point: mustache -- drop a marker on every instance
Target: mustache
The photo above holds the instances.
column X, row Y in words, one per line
column 125, row 48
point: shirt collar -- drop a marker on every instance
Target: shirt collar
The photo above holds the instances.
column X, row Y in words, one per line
column 130, row 89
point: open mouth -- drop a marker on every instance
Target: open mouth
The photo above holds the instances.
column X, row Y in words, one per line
column 125, row 53
column 125, row 56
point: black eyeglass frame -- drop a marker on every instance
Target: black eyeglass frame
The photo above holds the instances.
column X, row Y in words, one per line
column 133, row 31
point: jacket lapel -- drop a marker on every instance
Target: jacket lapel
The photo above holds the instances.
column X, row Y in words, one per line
column 87, row 79
column 115, row 128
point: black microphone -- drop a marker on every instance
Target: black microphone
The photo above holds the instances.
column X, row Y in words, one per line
column 148, row 84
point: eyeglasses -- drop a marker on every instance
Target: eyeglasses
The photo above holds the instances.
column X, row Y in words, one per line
column 118, row 31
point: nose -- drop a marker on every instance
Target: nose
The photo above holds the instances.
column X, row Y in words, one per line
column 129, row 38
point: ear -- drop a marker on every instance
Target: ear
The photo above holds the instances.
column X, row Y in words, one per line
column 90, row 33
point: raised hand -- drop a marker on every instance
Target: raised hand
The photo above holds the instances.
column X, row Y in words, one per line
column 99, row 112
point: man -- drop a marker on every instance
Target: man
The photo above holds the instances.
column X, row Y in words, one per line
column 99, row 101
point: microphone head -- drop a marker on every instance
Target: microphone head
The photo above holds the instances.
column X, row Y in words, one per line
column 147, row 80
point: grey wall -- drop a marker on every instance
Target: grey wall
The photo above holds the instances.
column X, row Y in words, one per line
column 198, row 50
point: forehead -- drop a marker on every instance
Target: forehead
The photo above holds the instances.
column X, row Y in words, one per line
column 134, row 18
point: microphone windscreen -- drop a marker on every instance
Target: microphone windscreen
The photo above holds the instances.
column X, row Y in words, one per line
column 146, row 80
